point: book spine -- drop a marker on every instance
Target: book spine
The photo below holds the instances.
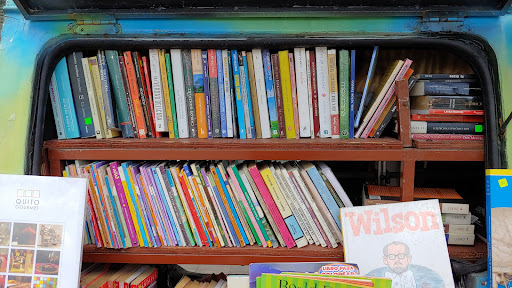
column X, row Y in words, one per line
column 459, row 229
column 152, row 225
column 344, row 82
column 384, row 118
column 118, row 216
column 284, row 70
column 80, row 98
column 440, row 88
column 254, row 94
column 149, row 94
column 216, row 85
column 326, row 170
column 446, row 76
column 110, row 118
column 199, row 95
column 271, row 98
column 186, row 234
column 126, row 85
column 452, row 112
column 181, row 188
column 279, row 95
column 109, row 234
column 148, row 119
column 447, row 137
column 98, row 131
column 124, row 204
column 161, row 122
column 207, row 94
column 326, row 195
column 310, row 95
column 188, row 193
column 131, row 201
column 294, row 95
column 250, row 129
column 352, row 94
column 240, row 211
column 459, row 219
column 303, row 89
column 220, row 108
column 333, row 93
column 422, row 127
column 214, row 207
column 134, row 93
column 119, row 93
column 272, row 207
column 259, row 79
column 166, row 99
column 97, row 210
column 314, row 94
column 179, row 91
column 228, row 82
column 460, row 239
column 57, row 108
column 93, row 67
column 324, row 104
column 238, row 91
column 447, row 118
column 148, row 280
column 367, row 83
column 189, row 92
column 170, row 83
column 167, row 209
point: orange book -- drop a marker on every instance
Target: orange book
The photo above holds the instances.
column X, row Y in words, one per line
column 197, row 74
column 147, row 277
column 134, row 91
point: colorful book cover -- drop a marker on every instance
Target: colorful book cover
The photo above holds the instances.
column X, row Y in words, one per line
column 110, row 117
column 199, row 95
column 45, row 215
column 250, row 129
column 188, row 77
column 151, row 225
column 172, row 103
column 234, row 116
column 284, row 69
column 228, row 93
column 144, row 98
column 344, row 92
column 367, row 83
column 181, row 188
column 238, row 90
column 207, row 94
column 278, row 94
column 134, row 93
column 222, row 95
column 333, row 93
column 115, row 213
column 499, row 211
column 271, row 98
column 215, row 83
column 283, row 280
column 219, row 218
column 396, row 241
column 352, row 107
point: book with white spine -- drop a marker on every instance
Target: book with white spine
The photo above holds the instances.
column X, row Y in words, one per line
column 336, row 184
column 324, row 103
column 156, row 84
column 301, row 79
column 98, row 128
column 262, row 93
column 227, row 92
column 179, row 93
column 310, row 95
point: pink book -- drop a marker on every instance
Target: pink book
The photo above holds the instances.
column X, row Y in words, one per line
column 216, row 206
column 385, row 100
column 272, row 207
column 247, row 208
column 114, row 169
column 294, row 96
column 447, row 137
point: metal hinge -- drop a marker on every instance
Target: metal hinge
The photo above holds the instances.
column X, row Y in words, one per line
column 94, row 24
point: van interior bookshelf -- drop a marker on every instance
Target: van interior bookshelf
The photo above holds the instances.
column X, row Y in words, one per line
column 404, row 150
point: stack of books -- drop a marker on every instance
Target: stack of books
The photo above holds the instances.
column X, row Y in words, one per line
column 447, row 107
column 128, row 276
column 213, row 93
column 215, row 281
column 454, row 211
column 211, row 204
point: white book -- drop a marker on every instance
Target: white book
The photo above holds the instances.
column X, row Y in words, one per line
column 134, row 275
column 459, row 229
column 336, row 184
column 460, row 239
column 300, row 205
column 238, row 281
column 259, row 78
column 98, row 128
column 310, row 95
column 301, row 78
column 56, row 107
column 156, row 84
column 227, row 92
column 459, row 219
column 222, row 283
column 292, row 202
column 379, row 98
column 324, row 103
column 179, row 93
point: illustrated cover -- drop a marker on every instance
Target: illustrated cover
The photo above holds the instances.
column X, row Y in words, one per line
column 396, row 241
column 41, row 224
column 499, row 211
column 324, row 268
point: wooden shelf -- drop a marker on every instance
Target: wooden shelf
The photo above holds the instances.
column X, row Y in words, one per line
column 241, row 256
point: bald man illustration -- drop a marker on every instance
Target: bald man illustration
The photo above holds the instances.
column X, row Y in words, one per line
column 397, row 257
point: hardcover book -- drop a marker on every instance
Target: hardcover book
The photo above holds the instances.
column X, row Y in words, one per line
column 396, row 241
column 41, row 221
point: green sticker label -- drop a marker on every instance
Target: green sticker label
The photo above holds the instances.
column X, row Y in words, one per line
column 479, row 128
column 88, row 121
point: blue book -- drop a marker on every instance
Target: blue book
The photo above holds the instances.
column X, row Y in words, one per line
column 146, row 218
column 110, row 118
column 116, row 213
column 231, row 206
column 222, row 95
column 248, row 95
column 371, row 71
column 169, row 218
column 207, row 102
column 352, row 91
column 66, row 99
column 238, row 94
column 151, row 226
column 324, row 192
column 271, row 98
column 181, row 210
column 188, row 172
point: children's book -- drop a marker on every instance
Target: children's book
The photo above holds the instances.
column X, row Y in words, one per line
column 41, row 225
column 396, row 241
column 499, row 211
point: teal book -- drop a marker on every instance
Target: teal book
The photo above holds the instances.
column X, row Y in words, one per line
column 171, row 94
column 70, row 121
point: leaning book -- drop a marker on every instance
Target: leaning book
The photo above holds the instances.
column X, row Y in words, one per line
column 41, row 224
column 396, row 241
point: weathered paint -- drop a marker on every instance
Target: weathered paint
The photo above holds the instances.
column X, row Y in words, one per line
column 22, row 40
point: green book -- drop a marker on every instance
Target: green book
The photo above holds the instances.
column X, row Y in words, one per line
column 251, row 205
column 295, row 281
column 377, row 282
column 171, row 94
column 344, row 93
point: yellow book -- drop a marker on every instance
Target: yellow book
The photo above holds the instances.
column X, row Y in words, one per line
column 165, row 90
column 274, row 190
column 333, row 93
column 64, row 173
column 129, row 200
column 286, row 88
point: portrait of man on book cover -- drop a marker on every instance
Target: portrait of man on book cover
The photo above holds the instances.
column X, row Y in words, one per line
column 397, row 257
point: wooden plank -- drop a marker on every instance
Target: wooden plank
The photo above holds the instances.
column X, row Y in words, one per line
column 449, row 144
column 407, row 173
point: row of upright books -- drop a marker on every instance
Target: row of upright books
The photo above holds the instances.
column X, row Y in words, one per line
column 219, row 204
column 126, row 276
column 447, row 107
column 194, row 93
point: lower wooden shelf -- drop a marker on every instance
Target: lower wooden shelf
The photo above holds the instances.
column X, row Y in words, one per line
column 240, row 256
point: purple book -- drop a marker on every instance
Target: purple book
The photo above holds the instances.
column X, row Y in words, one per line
column 150, row 225
column 114, row 168
column 204, row 55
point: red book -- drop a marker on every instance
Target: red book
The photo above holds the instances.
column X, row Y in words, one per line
column 149, row 93
column 94, row 220
column 455, row 112
column 447, row 118
column 147, row 277
column 279, row 95
column 446, row 137
column 314, row 93
column 134, row 91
